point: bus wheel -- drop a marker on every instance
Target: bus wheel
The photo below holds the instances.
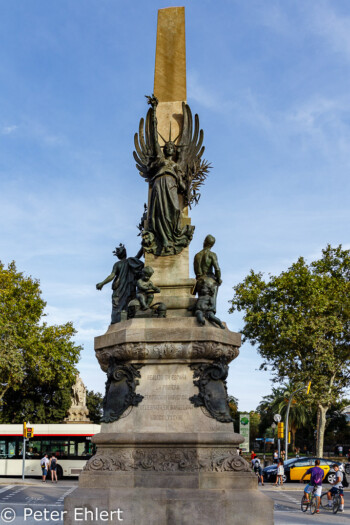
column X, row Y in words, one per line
column 59, row 472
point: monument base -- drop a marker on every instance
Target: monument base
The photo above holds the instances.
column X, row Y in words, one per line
column 224, row 501
column 168, row 479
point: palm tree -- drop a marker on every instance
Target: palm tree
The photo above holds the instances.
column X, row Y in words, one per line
column 277, row 402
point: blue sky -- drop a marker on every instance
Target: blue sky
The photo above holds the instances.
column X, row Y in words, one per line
column 270, row 82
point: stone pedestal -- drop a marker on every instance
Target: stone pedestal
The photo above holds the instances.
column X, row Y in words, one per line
column 171, row 457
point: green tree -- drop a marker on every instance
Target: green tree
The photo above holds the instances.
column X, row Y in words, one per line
column 254, row 426
column 94, row 402
column 300, row 321
column 37, row 361
column 233, row 406
column 299, row 414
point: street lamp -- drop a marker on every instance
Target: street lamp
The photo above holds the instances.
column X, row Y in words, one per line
column 307, row 386
column 278, row 418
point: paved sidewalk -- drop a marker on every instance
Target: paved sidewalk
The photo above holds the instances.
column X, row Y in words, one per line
column 298, row 487
column 38, row 481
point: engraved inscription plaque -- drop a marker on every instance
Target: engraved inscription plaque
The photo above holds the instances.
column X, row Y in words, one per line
column 166, row 407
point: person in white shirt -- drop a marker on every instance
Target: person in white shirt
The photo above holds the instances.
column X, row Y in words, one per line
column 337, row 488
column 44, row 463
column 280, row 473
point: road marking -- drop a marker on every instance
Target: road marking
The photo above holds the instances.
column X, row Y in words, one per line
column 22, row 504
column 8, row 487
column 13, row 493
column 61, row 498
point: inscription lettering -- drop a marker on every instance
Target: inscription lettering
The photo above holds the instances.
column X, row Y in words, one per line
column 160, row 397
column 166, row 417
column 167, row 387
column 166, row 407
column 167, row 377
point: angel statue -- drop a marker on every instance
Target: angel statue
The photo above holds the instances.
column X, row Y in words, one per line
column 172, row 170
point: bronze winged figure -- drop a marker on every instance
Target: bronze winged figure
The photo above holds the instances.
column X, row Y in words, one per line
column 172, row 170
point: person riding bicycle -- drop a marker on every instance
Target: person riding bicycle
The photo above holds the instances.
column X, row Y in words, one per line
column 337, row 488
column 317, row 475
column 258, row 470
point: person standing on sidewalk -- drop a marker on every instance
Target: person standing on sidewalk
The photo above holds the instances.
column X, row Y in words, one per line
column 44, row 463
column 280, row 473
column 53, row 468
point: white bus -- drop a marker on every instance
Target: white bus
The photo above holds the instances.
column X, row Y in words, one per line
column 71, row 444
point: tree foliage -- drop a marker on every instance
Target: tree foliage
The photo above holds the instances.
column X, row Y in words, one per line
column 233, row 406
column 94, row 402
column 300, row 321
column 277, row 402
column 37, row 361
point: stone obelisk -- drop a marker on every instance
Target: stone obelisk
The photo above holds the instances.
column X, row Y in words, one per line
column 167, row 451
column 172, row 272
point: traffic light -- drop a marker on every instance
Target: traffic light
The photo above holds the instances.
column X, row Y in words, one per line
column 280, row 430
column 28, row 432
column 289, row 438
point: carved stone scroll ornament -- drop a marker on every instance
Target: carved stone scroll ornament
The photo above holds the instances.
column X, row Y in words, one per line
column 193, row 350
column 120, row 390
column 212, row 389
column 168, row 460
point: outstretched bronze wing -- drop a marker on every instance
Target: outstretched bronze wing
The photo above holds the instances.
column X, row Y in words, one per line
column 190, row 150
column 146, row 143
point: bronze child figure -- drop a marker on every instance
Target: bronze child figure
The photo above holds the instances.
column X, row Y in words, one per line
column 145, row 289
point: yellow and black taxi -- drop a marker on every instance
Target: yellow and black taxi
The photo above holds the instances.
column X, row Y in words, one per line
column 295, row 468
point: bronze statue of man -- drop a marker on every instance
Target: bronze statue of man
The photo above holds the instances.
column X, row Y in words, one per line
column 124, row 275
column 206, row 265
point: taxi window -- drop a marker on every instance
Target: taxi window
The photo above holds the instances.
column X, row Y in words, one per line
column 303, row 463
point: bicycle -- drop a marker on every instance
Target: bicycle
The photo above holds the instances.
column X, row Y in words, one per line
column 310, row 502
column 335, row 502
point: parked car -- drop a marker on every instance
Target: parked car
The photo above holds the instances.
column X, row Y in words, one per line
column 295, row 468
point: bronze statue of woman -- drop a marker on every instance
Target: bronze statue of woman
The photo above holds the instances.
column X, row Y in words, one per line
column 171, row 170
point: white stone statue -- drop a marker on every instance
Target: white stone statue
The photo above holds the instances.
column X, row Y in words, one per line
column 78, row 412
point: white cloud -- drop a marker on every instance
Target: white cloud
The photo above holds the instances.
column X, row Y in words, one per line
column 9, row 130
column 335, row 28
column 199, row 93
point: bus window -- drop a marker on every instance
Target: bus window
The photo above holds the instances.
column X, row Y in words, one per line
column 90, row 448
column 3, row 449
column 81, row 450
column 59, row 447
column 45, row 447
column 34, row 448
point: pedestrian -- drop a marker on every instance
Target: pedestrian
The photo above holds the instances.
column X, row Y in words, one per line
column 53, row 468
column 275, row 456
column 252, row 455
column 280, row 473
column 44, row 463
